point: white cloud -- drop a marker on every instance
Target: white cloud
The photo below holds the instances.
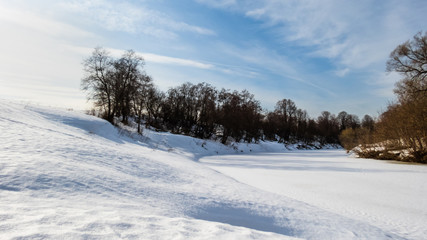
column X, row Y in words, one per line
column 384, row 83
column 269, row 61
column 342, row 72
column 130, row 18
column 35, row 64
column 149, row 57
column 38, row 23
column 353, row 34
column 218, row 3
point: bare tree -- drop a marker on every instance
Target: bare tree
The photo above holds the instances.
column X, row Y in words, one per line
column 286, row 111
column 368, row 122
column 328, row 127
column 410, row 60
column 141, row 97
column 153, row 104
column 97, row 81
column 114, row 83
column 405, row 122
column 239, row 113
column 128, row 76
column 206, row 113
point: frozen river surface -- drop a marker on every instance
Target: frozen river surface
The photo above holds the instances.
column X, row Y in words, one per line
column 390, row 196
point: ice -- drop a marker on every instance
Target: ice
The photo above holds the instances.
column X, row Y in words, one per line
column 388, row 195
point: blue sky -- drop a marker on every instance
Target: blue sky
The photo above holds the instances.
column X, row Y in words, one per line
column 324, row 55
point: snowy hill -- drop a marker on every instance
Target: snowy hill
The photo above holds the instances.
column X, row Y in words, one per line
column 67, row 175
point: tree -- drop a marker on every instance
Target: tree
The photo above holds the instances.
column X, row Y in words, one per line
column 328, row 127
column 98, row 82
column 121, row 88
column 229, row 115
column 343, row 120
column 404, row 123
column 128, row 76
column 301, row 125
column 180, row 108
column 141, row 97
column 368, row 123
column 346, row 120
column 206, row 112
column 410, row 60
column 354, row 121
column 113, row 83
column 271, row 126
column 250, row 116
column 153, row 104
column 239, row 114
column 286, row 111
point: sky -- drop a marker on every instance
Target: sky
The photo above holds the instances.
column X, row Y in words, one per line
column 325, row 55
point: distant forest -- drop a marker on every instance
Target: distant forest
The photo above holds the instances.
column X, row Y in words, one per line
column 121, row 89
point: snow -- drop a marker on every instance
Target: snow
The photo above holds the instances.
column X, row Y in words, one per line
column 389, row 196
column 67, row 175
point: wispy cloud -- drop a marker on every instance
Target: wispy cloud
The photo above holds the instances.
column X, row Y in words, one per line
column 383, row 83
column 321, row 24
column 355, row 36
column 130, row 18
column 39, row 23
column 261, row 62
column 149, row 57
column 344, row 31
column 219, row 3
column 342, row 72
column 312, row 51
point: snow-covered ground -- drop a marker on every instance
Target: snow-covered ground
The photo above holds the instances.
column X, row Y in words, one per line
column 66, row 175
column 390, row 196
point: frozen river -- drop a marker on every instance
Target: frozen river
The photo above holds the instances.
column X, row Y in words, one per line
column 388, row 195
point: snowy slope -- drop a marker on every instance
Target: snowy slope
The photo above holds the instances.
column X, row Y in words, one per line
column 67, row 175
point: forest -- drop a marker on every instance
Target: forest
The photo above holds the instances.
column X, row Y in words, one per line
column 121, row 90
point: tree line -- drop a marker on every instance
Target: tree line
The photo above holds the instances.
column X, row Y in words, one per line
column 121, row 89
column 400, row 132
